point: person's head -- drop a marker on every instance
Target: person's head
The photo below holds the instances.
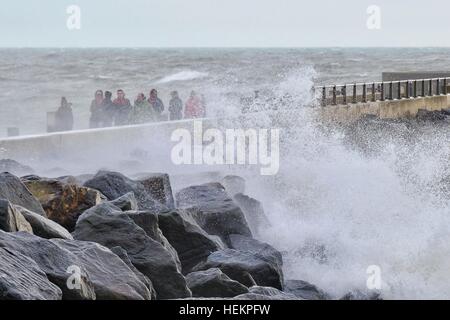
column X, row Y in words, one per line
column 63, row 101
column 140, row 97
column 193, row 94
column 153, row 93
column 108, row 95
column 174, row 94
column 120, row 94
column 99, row 94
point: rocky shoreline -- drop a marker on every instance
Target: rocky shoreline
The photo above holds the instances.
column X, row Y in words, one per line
column 107, row 236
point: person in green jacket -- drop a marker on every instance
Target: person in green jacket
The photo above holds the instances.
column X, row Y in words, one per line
column 142, row 111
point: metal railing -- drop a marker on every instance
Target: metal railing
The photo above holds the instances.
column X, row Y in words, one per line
column 381, row 91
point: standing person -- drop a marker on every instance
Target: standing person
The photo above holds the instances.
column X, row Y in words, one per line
column 142, row 110
column 64, row 116
column 175, row 107
column 193, row 107
column 122, row 109
column 156, row 103
column 96, row 110
column 107, row 114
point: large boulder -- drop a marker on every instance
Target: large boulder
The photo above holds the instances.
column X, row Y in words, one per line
column 14, row 167
column 111, row 227
column 260, row 249
column 111, row 277
column 22, row 279
column 158, row 185
column 126, row 202
column 122, row 254
column 266, row 293
column 233, row 184
column 43, row 227
column 236, row 263
column 62, row 199
column 213, row 210
column 11, row 220
column 12, row 189
column 149, row 222
column 213, row 283
column 114, row 185
column 253, row 211
column 60, row 265
column 192, row 243
column 304, row 290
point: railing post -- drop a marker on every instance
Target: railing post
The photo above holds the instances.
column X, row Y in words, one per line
column 374, row 94
column 391, row 86
column 415, row 88
column 382, row 92
column 324, row 96
column 364, row 96
column 334, row 96
column 423, row 88
column 407, row 91
column 438, row 87
column 354, row 93
column 399, row 90
column 344, row 94
column 444, row 91
column 430, row 88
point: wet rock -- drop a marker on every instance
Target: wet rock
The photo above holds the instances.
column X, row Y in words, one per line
column 43, row 227
column 192, row 243
column 236, row 263
column 126, row 202
column 14, row 167
column 233, row 185
column 22, row 279
column 158, row 185
column 213, row 210
column 213, row 283
column 54, row 261
column 362, row 295
column 304, row 290
column 253, row 211
column 114, row 185
column 11, row 220
column 272, row 292
column 111, row 277
column 149, row 222
column 122, row 254
column 425, row 115
column 12, row 189
column 111, row 228
column 63, row 202
column 259, row 248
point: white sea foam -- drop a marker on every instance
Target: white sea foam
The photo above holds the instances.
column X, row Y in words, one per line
column 183, row 76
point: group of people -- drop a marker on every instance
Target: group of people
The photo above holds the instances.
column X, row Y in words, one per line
column 106, row 112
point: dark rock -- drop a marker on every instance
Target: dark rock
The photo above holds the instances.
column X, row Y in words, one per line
column 192, row 243
column 213, row 283
column 43, row 227
column 111, row 277
column 112, row 228
column 14, row 167
column 126, row 202
column 304, row 290
column 158, row 185
column 63, row 202
column 253, row 211
column 260, row 249
column 12, row 189
column 114, row 185
column 233, row 185
column 122, row 254
column 236, row 263
column 149, row 222
column 11, row 220
column 22, row 279
column 213, row 210
column 362, row 295
column 425, row 115
column 54, row 261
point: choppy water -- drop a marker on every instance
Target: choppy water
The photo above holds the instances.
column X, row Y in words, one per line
column 342, row 201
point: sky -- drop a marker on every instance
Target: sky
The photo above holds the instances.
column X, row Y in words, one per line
column 225, row 23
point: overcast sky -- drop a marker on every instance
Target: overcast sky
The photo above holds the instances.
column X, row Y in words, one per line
column 224, row 23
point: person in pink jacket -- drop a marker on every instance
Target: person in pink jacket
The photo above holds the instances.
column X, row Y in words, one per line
column 194, row 107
